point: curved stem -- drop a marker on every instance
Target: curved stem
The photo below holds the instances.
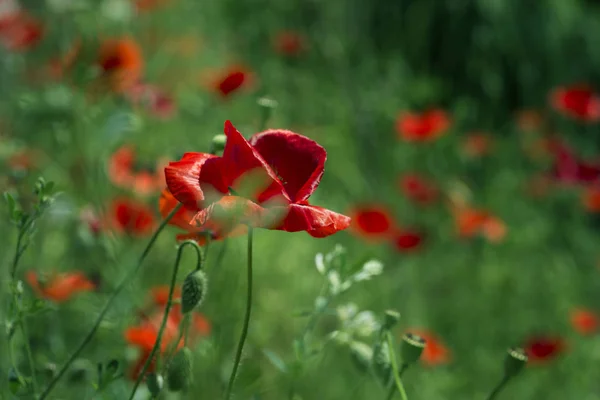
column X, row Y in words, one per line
column 498, row 388
column 117, row 291
column 395, row 371
column 392, row 391
column 240, row 348
column 29, row 354
column 163, row 324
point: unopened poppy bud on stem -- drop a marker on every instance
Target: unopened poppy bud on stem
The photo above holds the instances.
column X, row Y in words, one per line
column 179, row 373
column 217, row 144
column 155, row 383
column 193, row 291
column 411, row 348
column 514, row 362
column 390, row 319
column 267, row 105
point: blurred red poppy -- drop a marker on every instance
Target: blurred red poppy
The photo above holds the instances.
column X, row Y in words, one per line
column 124, row 171
column 154, row 100
column 544, row 348
column 407, row 240
column 278, row 169
column 435, row 352
column 471, row 222
column 90, row 218
column 20, row 31
column 423, row 127
column 591, row 199
column 578, row 101
column 477, row 144
column 132, row 217
column 149, row 5
column 569, row 169
column 122, row 62
column 584, row 321
column 60, row 287
column 418, row 189
column 289, row 43
column 230, row 80
column 371, row 221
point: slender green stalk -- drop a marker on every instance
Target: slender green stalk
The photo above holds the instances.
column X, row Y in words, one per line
column 112, row 298
column 23, row 327
column 395, row 371
column 393, row 389
column 163, row 324
column 240, row 348
column 498, row 388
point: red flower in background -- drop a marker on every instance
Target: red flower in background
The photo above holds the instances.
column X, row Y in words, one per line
column 577, row 101
column 231, row 80
column 477, row 144
column 145, row 334
column 584, row 321
column 124, row 171
column 149, row 5
column 471, row 222
column 569, row 169
column 406, row 240
column 289, row 43
column 132, row 217
column 57, row 66
column 60, row 287
column 19, row 31
column 435, row 352
column 372, row 221
column 544, row 348
column 122, row 63
column 418, row 189
column 156, row 101
column 423, row 127
column 277, row 168
column 591, row 199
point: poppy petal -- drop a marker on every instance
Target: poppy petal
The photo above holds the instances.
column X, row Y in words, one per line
column 317, row 221
column 298, row 161
column 183, row 179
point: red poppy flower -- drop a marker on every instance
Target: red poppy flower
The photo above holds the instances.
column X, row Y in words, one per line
column 423, row 127
column 584, row 321
column 407, row 240
column 541, row 349
column 124, row 171
column 477, row 144
column 371, row 221
column 132, row 217
column 435, row 352
column 289, row 43
column 230, row 80
column 471, row 222
column 417, row 189
column 122, row 63
column 156, row 101
column 20, row 31
column 569, row 169
column 60, row 287
column 578, row 102
column 591, row 199
column 278, row 169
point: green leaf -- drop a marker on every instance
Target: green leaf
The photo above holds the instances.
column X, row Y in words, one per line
column 112, row 368
column 48, row 188
column 275, row 360
column 12, row 204
column 14, row 384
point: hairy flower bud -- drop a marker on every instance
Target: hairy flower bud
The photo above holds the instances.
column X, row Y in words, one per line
column 155, row 383
column 411, row 348
column 218, row 143
column 193, row 291
column 179, row 373
column 390, row 319
column 514, row 362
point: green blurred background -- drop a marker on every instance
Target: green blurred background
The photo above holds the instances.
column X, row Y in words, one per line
column 364, row 63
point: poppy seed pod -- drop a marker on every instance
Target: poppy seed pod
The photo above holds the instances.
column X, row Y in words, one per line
column 193, row 291
column 179, row 373
column 514, row 362
column 217, row 144
column 155, row 383
column 390, row 319
column 411, row 348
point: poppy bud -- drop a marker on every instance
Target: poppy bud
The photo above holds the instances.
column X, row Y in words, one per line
column 218, row 143
column 179, row 373
column 411, row 348
column 361, row 355
column 514, row 362
column 267, row 106
column 193, row 291
column 390, row 319
column 155, row 383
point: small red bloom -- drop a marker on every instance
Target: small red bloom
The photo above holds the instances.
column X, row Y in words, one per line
column 132, row 217
column 122, row 62
column 372, row 221
column 477, row 144
column 417, row 189
column 156, row 101
column 60, row 287
column 289, row 43
column 435, row 352
column 90, row 218
column 423, row 127
column 591, row 199
column 20, row 31
column 278, row 169
column 541, row 349
column 584, row 321
column 471, row 222
column 231, row 80
column 578, row 102
column 569, row 169
column 407, row 240
column 149, row 5
column 124, row 171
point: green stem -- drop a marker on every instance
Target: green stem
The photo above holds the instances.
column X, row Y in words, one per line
column 117, row 291
column 163, row 324
column 23, row 327
column 392, row 391
column 240, row 348
column 395, row 371
column 498, row 388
